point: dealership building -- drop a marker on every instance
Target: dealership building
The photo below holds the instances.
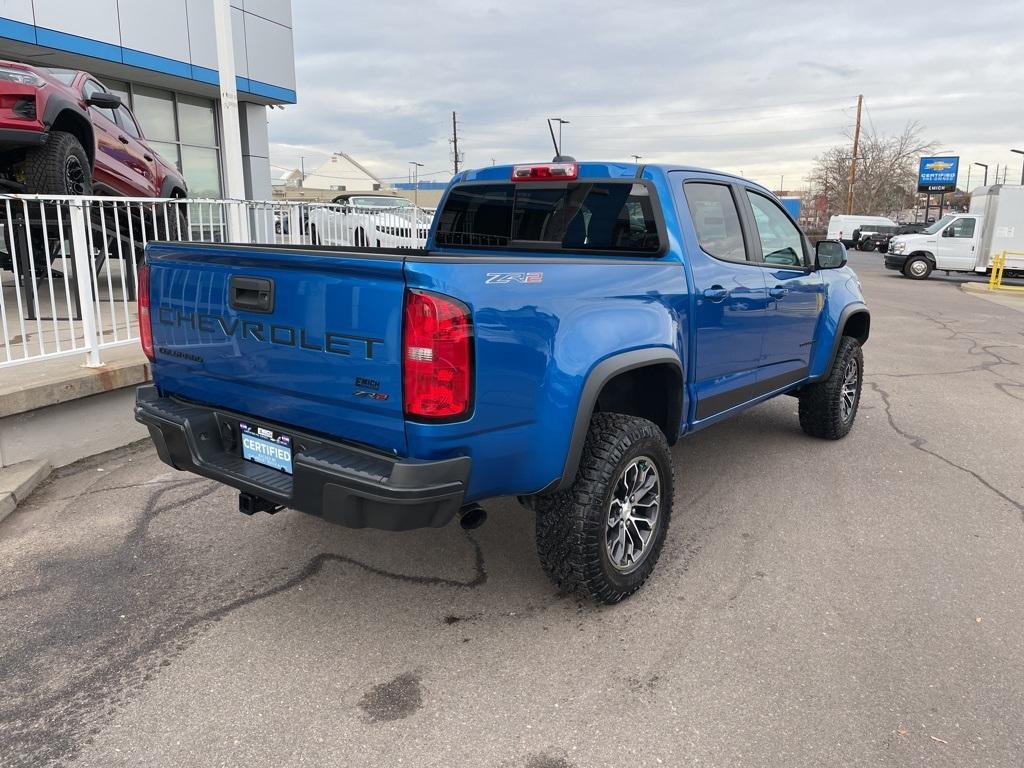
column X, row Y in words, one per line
column 160, row 56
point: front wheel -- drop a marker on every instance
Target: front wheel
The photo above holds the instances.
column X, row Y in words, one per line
column 917, row 268
column 828, row 408
column 59, row 167
column 601, row 538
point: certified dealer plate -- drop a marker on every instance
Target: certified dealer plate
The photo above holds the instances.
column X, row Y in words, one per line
column 266, row 447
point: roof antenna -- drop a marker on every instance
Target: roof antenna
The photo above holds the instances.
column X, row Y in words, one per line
column 557, row 143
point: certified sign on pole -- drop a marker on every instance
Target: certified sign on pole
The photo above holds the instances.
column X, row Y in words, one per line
column 937, row 174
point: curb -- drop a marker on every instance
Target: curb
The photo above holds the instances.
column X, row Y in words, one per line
column 19, row 480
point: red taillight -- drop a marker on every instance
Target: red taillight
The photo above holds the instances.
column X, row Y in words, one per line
column 437, row 357
column 546, row 172
column 145, row 324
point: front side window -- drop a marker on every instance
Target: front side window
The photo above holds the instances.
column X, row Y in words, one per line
column 716, row 220
column 126, row 121
column 88, row 89
column 963, row 228
column 781, row 241
column 605, row 216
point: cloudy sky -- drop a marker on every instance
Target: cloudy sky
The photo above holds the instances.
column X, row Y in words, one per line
column 755, row 87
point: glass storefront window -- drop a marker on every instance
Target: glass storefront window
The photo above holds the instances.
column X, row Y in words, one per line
column 201, row 167
column 120, row 88
column 154, row 109
column 167, row 151
column 195, row 121
column 181, row 128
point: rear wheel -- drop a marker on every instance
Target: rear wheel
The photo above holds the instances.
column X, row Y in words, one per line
column 601, row 538
column 917, row 268
column 314, row 238
column 59, row 167
column 360, row 238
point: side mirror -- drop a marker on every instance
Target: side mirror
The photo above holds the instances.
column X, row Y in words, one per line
column 103, row 100
column 947, row 232
column 829, row 254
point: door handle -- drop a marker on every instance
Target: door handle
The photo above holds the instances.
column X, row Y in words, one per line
column 716, row 293
column 253, row 294
column 123, row 139
column 148, row 157
column 777, row 292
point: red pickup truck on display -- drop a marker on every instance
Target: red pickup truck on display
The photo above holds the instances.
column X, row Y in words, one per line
column 63, row 133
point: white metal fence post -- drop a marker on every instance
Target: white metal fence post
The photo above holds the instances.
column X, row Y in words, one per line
column 83, row 278
column 295, row 223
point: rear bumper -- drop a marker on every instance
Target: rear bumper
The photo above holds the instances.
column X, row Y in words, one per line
column 344, row 484
column 895, row 261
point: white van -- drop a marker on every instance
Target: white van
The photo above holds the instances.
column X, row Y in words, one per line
column 841, row 226
column 966, row 242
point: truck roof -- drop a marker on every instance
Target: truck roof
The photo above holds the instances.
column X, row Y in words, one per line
column 594, row 169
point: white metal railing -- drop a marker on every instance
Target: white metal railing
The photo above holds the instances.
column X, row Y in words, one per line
column 69, row 265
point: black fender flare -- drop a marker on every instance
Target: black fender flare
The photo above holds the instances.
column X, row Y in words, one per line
column 600, row 375
column 854, row 308
column 58, row 103
column 170, row 183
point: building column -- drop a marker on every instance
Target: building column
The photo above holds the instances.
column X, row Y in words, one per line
column 252, row 120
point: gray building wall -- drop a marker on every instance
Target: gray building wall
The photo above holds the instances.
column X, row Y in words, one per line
column 168, row 44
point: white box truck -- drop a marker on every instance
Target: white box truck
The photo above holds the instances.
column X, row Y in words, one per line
column 966, row 242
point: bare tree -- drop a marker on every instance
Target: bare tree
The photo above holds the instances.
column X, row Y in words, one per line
column 886, row 171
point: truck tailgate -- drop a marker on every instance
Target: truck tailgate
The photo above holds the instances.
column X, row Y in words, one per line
column 303, row 338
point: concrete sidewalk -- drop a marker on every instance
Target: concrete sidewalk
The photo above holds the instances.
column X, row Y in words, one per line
column 59, row 411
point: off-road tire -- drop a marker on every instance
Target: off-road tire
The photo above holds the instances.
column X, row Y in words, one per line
column 571, row 525
column 922, row 272
column 821, row 404
column 314, row 238
column 45, row 167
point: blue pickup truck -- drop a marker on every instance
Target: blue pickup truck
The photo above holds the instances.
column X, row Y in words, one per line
column 565, row 324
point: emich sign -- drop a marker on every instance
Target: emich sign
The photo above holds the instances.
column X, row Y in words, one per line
column 937, row 174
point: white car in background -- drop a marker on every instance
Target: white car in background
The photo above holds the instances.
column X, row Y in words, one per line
column 364, row 220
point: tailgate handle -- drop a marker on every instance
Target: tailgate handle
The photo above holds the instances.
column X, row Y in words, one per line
column 252, row 294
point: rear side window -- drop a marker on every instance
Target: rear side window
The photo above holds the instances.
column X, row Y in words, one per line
column 716, row 220
column 604, row 216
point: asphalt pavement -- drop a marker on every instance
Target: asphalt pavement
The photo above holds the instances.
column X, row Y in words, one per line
column 856, row 603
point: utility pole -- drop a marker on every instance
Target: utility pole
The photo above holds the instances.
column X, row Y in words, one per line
column 455, row 143
column 853, row 160
column 636, row 158
column 302, row 166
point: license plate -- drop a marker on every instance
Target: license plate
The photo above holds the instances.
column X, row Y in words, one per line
column 267, row 447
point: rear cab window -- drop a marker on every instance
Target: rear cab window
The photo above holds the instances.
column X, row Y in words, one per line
column 614, row 216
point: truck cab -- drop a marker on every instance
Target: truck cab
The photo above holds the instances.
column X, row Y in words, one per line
column 953, row 242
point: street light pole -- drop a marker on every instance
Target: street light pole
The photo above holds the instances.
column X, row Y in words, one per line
column 415, row 172
column 1020, row 152
column 985, row 182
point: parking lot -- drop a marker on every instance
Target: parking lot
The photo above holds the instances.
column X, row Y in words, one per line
column 853, row 603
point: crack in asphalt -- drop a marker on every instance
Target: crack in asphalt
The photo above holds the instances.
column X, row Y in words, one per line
column 46, row 725
column 919, row 443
